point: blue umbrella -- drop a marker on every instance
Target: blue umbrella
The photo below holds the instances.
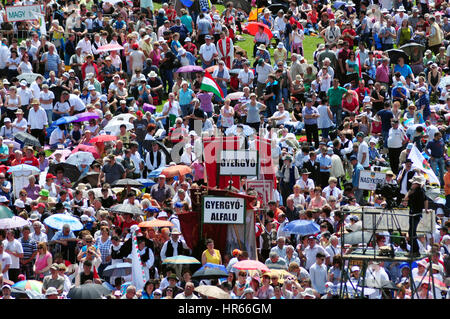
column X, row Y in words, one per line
column 117, row 270
column 64, row 120
column 152, row 209
column 302, row 227
column 338, row 4
column 24, row 167
column 146, row 182
column 57, row 221
column 211, row 265
column 155, row 173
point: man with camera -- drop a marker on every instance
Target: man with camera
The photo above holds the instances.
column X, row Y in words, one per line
column 417, row 202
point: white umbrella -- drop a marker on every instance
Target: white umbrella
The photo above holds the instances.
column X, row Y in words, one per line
column 115, row 126
column 444, row 81
column 13, row 222
column 79, row 158
column 124, row 117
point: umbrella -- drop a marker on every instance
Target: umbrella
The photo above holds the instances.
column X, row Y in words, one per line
column 33, row 285
column 233, row 130
column 127, row 182
column 275, row 7
column 123, row 117
column 86, row 116
column 216, row 266
column 115, row 126
column 394, row 54
column 339, row 4
column 156, row 223
column 212, row 292
column 211, row 69
column 126, row 209
column 117, row 190
column 57, row 221
column 176, row 170
column 88, row 291
column 27, row 139
column 29, row 77
column 109, row 47
column 181, row 260
column 90, row 177
column 64, row 154
column 234, row 71
column 302, row 227
column 70, row 171
column 152, row 209
column 354, row 238
column 189, row 68
column 252, row 28
column 444, row 80
column 429, row 280
column 209, row 273
column 80, row 158
column 21, row 168
column 243, row 4
column 65, row 120
column 155, row 173
column 87, row 148
column 117, row 270
column 235, row 96
column 146, row 182
column 250, row 265
column 13, row 222
column 26, row 294
column 103, row 138
column 5, row 212
column 409, row 48
column 16, row 146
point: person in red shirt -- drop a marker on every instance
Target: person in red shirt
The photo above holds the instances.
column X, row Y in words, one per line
column 29, row 158
column 350, row 103
column 313, row 17
column 349, row 35
column 171, row 13
column 362, row 91
column 128, row 221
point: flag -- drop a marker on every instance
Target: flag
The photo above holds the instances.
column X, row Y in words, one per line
column 209, row 85
column 359, row 65
column 187, row 3
column 138, row 274
column 41, row 19
column 253, row 16
column 419, row 161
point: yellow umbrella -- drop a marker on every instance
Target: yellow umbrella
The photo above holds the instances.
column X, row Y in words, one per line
column 253, row 16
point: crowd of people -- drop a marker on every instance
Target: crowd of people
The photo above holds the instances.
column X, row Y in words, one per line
column 103, row 78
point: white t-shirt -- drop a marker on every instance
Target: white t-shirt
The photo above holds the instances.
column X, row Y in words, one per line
column 396, row 137
column 207, row 51
column 56, row 135
column 5, row 260
column 76, row 102
column 23, row 123
column 47, row 96
column 14, row 246
column 285, row 117
column 363, row 148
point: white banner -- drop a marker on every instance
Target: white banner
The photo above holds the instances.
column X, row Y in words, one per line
column 223, row 210
column 239, row 162
column 22, row 13
column 420, row 162
column 368, row 179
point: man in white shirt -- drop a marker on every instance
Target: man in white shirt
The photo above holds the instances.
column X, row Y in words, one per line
column 76, row 104
column 305, row 182
column 171, row 107
column 5, row 53
column 35, row 86
column 208, row 52
column 155, row 158
column 281, row 116
column 246, row 76
column 85, row 45
column 311, row 251
column 363, row 151
column 37, row 121
column 25, row 94
column 396, row 139
column 5, row 260
column 14, row 248
column 187, row 293
column 319, row 274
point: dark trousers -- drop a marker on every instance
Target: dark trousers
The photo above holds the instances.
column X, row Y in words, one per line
column 13, row 274
column 27, row 270
column 394, row 158
column 167, row 79
column 323, row 179
column 312, row 134
column 100, row 270
column 39, row 134
column 414, row 220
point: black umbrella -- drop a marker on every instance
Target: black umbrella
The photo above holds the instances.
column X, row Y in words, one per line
column 88, row 291
column 275, row 7
column 409, row 48
column 27, row 139
column 126, row 209
column 90, row 177
column 70, row 171
column 366, row 77
column 209, row 273
column 147, row 145
column 243, row 4
column 395, row 54
column 127, row 182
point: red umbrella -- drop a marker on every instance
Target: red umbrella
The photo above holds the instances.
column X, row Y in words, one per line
column 253, row 27
column 103, row 138
column 109, row 47
column 176, row 170
column 250, row 265
column 87, row 148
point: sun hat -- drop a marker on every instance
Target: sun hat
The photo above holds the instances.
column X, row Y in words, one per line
column 152, row 74
column 309, row 292
column 44, row 192
column 51, row 291
column 175, row 231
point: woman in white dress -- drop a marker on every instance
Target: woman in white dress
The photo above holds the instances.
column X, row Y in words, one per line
column 227, row 114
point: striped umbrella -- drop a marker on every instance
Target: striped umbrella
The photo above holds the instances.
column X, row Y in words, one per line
column 181, row 260
column 33, row 285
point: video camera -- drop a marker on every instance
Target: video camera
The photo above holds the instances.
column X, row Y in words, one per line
column 389, row 192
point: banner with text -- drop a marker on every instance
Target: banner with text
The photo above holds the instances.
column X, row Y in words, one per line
column 368, row 179
column 22, row 13
column 238, row 162
column 223, row 210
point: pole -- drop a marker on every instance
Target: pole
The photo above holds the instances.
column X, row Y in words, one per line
column 237, row 236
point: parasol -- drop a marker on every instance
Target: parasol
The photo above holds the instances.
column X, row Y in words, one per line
column 252, row 28
column 57, row 221
column 27, row 139
column 176, row 170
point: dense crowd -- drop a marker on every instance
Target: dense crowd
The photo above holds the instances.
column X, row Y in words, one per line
column 93, row 96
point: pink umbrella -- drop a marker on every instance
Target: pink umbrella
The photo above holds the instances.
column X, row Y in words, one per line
column 190, row 68
column 64, row 154
column 87, row 148
column 235, row 95
column 250, row 265
column 109, row 47
column 13, row 222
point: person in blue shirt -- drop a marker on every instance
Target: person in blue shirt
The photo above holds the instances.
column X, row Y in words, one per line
column 180, row 28
column 120, row 25
column 399, row 93
column 325, row 165
column 436, row 149
column 385, row 116
column 357, row 168
column 404, row 69
column 424, row 103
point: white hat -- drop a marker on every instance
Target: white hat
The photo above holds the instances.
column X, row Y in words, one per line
column 401, row 9
column 19, row 203
column 423, row 89
column 309, row 292
column 84, row 218
column 181, row 51
column 161, row 176
column 103, row 98
column 7, row 119
column 23, row 82
column 216, row 17
column 89, row 76
column 192, row 133
column 91, row 87
column 147, row 37
column 373, row 140
column 34, row 217
column 355, row 268
column 280, row 45
column 187, row 39
column 366, row 99
column 162, row 214
column 3, row 199
column 152, row 74
column 51, row 291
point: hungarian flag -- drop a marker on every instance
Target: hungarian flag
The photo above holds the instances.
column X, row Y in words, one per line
column 420, row 162
column 209, row 85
